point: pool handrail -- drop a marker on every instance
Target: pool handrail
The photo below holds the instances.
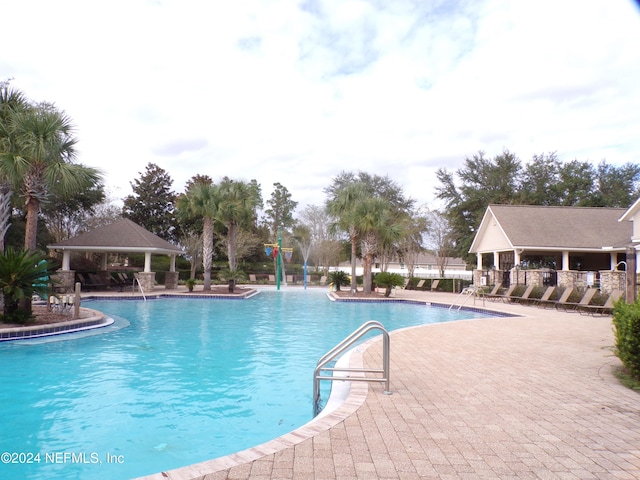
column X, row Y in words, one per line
column 341, row 347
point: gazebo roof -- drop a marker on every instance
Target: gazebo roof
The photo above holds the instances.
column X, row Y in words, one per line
column 122, row 236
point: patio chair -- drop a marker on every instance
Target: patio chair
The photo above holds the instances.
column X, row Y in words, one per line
column 252, row 278
column 584, row 301
column 519, row 298
column 602, row 310
column 417, row 286
column 499, row 296
column 561, row 301
column 545, row 296
column 434, row 284
column 492, row 293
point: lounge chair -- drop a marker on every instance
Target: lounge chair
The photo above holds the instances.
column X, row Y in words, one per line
column 498, row 296
column 417, row 286
column 545, row 296
column 434, row 284
column 562, row 300
column 524, row 297
column 252, row 278
column 492, row 293
column 584, row 301
column 605, row 309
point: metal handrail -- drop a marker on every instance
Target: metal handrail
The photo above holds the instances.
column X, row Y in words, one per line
column 344, row 345
column 468, row 292
column 136, row 279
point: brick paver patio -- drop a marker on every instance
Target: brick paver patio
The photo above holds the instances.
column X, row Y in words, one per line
column 531, row 397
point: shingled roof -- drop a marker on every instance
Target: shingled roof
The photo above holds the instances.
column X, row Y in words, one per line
column 122, row 236
column 556, row 228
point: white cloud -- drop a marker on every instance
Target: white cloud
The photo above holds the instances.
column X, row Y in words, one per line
column 296, row 93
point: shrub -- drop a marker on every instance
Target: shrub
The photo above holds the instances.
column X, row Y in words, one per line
column 388, row 281
column 339, row 279
column 626, row 320
column 22, row 273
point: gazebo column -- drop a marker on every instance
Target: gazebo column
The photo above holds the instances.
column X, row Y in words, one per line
column 147, row 261
column 171, row 277
column 147, row 278
column 65, row 277
column 565, row 260
column 66, row 260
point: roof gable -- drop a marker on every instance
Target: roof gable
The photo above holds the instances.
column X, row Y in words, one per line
column 527, row 226
column 122, row 235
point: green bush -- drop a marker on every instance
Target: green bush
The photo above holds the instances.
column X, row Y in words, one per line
column 626, row 320
column 339, row 279
column 388, row 281
column 22, row 273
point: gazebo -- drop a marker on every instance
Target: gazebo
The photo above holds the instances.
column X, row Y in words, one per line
column 122, row 236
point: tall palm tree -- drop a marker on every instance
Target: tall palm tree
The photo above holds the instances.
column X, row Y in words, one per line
column 11, row 101
column 43, row 155
column 236, row 204
column 376, row 226
column 200, row 201
column 343, row 206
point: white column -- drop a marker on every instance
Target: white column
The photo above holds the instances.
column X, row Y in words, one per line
column 147, row 261
column 516, row 258
column 172, row 264
column 496, row 260
column 565, row 260
column 613, row 260
column 479, row 255
column 66, row 260
column 104, row 261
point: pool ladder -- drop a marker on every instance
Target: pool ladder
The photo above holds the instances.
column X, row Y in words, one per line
column 465, row 295
column 341, row 347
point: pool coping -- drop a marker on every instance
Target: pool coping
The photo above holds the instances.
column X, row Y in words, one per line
column 95, row 320
column 353, row 400
column 325, row 420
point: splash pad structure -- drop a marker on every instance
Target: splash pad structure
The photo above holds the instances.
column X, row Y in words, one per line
column 276, row 250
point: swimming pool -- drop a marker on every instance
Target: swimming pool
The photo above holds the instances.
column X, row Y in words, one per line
column 175, row 381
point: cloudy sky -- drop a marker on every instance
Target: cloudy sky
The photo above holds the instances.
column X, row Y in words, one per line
column 297, row 91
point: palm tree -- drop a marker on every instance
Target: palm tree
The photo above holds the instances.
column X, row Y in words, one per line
column 11, row 101
column 42, row 156
column 374, row 222
column 236, row 204
column 200, row 201
column 343, row 207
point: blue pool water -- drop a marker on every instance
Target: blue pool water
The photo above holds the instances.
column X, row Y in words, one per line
column 174, row 382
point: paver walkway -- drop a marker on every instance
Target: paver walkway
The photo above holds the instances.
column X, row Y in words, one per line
column 502, row 398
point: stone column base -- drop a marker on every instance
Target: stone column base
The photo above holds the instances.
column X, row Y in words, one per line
column 147, row 280
column 171, row 280
column 64, row 281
